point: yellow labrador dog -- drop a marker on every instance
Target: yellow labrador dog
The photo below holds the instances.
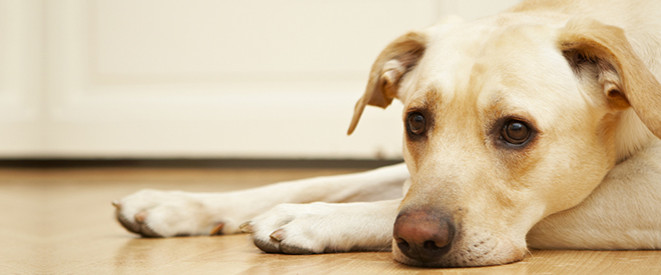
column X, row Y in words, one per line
column 538, row 127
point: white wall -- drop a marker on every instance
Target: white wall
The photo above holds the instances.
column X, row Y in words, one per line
column 200, row 78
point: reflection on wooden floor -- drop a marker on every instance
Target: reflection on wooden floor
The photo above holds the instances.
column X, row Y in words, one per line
column 60, row 221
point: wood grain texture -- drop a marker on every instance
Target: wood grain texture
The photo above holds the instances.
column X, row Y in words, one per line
column 60, row 221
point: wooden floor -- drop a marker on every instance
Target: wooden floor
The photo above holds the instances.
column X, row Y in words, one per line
column 61, row 222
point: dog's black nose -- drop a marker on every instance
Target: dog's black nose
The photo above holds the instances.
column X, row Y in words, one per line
column 423, row 235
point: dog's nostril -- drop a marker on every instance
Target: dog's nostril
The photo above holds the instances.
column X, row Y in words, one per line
column 431, row 245
column 402, row 244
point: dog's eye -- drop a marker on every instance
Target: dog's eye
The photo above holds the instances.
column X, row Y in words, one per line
column 515, row 132
column 416, row 124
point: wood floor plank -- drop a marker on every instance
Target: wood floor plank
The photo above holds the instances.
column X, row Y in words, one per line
column 61, row 222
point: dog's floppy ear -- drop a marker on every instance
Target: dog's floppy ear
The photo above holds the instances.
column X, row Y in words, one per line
column 597, row 50
column 388, row 70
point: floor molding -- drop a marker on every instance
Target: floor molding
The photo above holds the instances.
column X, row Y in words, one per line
column 210, row 163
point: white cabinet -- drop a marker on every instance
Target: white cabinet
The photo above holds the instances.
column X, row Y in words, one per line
column 198, row 78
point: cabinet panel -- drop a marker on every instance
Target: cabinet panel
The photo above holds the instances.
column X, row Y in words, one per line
column 21, row 105
column 220, row 78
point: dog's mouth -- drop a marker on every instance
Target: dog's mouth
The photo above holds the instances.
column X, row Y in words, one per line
column 466, row 250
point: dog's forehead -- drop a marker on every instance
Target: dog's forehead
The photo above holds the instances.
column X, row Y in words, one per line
column 523, row 65
column 511, row 67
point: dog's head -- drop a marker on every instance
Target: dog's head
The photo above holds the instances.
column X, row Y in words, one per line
column 505, row 125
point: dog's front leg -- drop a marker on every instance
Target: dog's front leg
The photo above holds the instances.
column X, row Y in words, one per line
column 623, row 212
column 325, row 227
column 154, row 213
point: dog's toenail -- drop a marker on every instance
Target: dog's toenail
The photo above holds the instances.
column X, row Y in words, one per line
column 217, row 229
column 116, row 204
column 140, row 217
column 278, row 235
column 246, row 227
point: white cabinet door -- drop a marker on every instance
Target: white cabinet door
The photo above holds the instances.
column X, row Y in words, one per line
column 198, row 78
column 21, row 48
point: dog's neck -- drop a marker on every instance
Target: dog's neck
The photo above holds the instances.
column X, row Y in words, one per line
column 631, row 135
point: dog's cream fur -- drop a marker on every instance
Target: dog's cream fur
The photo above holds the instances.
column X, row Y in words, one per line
column 583, row 74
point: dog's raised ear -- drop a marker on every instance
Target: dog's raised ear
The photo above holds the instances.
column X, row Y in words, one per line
column 387, row 72
column 597, row 50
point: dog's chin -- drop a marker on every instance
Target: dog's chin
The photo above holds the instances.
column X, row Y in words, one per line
column 481, row 253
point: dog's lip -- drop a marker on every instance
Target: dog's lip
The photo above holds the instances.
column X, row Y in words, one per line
column 501, row 251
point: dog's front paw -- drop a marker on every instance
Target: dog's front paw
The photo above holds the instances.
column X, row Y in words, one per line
column 153, row 213
column 298, row 229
